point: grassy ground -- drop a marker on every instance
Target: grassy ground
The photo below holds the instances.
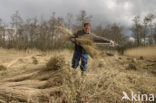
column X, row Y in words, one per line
column 147, row 52
column 33, row 76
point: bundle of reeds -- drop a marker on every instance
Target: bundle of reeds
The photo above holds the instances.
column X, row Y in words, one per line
column 85, row 41
column 64, row 30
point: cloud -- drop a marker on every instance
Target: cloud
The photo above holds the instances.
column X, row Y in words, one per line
column 103, row 11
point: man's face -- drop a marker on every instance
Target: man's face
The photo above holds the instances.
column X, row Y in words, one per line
column 86, row 28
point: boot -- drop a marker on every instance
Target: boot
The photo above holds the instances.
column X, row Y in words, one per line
column 83, row 73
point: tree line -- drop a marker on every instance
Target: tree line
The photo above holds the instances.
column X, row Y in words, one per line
column 42, row 34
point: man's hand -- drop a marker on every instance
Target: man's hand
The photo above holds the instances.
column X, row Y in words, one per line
column 78, row 43
column 112, row 42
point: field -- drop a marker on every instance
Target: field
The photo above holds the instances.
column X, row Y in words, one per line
column 33, row 76
column 148, row 52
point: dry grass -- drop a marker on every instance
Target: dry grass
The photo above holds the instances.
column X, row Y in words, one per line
column 53, row 81
column 35, row 61
column 55, row 63
column 142, row 51
column 2, row 68
column 64, row 30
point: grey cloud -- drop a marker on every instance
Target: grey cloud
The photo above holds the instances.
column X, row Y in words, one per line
column 103, row 11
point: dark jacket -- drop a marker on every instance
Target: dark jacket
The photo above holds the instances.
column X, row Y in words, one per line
column 91, row 36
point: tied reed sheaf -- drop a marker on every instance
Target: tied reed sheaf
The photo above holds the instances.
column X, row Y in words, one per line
column 84, row 41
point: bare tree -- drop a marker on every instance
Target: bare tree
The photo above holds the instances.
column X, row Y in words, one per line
column 17, row 23
column 16, row 20
column 117, row 34
column 137, row 30
column 113, row 32
column 145, row 28
column 99, row 30
column 33, row 32
column 2, row 34
column 154, row 33
column 150, row 18
column 68, row 20
column 0, row 22
column 81, row 18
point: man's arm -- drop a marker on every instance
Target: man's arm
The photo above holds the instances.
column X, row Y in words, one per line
column 73, row 38
column 99, row 39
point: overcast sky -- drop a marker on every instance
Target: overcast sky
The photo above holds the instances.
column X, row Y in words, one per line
column 103, row 11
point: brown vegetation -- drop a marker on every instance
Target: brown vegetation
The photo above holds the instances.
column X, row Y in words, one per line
column 53, row 80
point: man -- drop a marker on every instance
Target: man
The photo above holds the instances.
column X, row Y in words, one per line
column 79, row 52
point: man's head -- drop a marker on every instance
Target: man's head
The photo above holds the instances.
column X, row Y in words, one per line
column 86, row 27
